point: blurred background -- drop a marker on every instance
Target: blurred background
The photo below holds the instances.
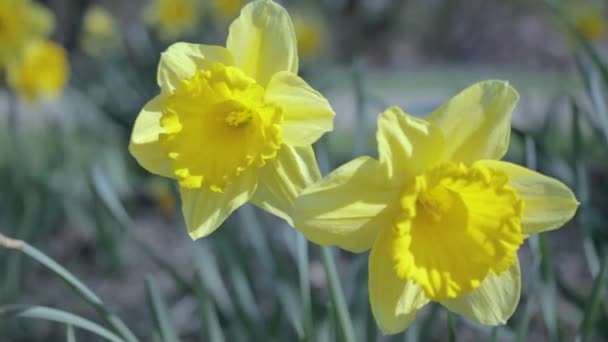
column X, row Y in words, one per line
column 75, row 73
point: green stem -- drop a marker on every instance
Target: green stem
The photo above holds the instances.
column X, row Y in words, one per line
column 337, row 295
column 304, row 278
column 360, row 137
column 451, row 328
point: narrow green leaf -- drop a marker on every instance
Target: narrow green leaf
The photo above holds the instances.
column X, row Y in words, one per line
column 159, row 311
column 291, row 307
column 580, row 39
column 245, row 299
column 70, row 335
column 304, row 280
column 85, row 293
column 427, row 328
column 540, row 246
column 211, row 277
column 595, row 90
column 360, row 136
column 594, row 302
column 208, row 314
column 494, row 334
column 54, row 315
column 451, row 327
column 524, row 323
column 104, row 190
column 337, row 295
column 112, row 202
column 255, row 235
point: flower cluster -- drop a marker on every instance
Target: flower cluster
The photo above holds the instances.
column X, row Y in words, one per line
column 442, row 215
column 35, row 67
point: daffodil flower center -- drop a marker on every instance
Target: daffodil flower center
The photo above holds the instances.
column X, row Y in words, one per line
column 458, row 223
column 238, row 115
column 218, row 125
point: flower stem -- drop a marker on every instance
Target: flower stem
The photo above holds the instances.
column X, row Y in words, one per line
column 304, row 278
column 337, row 295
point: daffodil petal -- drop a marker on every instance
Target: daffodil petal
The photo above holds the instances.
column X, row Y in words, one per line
column 283, row 178
column 181, row 60
column 263, row 41
column 494, row 301
column 477, row 122
column 144, row 145
column 394, row 301
column 307, row 114
column 407, row 145
column 205, row 210
column 348, row 207
column 548, row 203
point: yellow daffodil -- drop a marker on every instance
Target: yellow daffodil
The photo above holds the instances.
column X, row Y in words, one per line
column 590, row 22
column 99, row 34
column 42, row 72
column 234, row 124
column 173, row 18
column 442, row 215
column 21, row 22
column 226, row 9
column 309, row 33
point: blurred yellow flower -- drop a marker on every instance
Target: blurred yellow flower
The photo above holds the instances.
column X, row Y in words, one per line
column 227, row 9
column 442, row 215
column 99, row 33
column 309, row 33
column 161, row 192
column 234, row 124
column 173, row 18
column 21, row 22
column 590, row 22
column 42, row 72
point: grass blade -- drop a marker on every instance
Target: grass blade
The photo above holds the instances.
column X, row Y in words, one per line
column 451, row 327
column 594, row 302
column 494, row 334
column 70, row 336
column 290, row 305
column 54, row 315
column 208, row 313
column 304, row 279
column 540, row 247
column 360, row 141
column 211, row 278
column 580, row 39
column 160, row 312
column 85, row 293
column 337, row 295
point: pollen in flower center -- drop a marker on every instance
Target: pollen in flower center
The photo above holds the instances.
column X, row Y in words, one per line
column 458, row 224
column 435, row 203
column 238, row 115
column 217, row 126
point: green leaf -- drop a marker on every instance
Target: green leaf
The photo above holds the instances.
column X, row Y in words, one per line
column 304, row 280
column 337, row 295
column 208, row 314
column 291, row 308
column 594, row 302
column 69, row 332
column 85, row 293
column 54, row 315
column 451, row 327
column 159, row 311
